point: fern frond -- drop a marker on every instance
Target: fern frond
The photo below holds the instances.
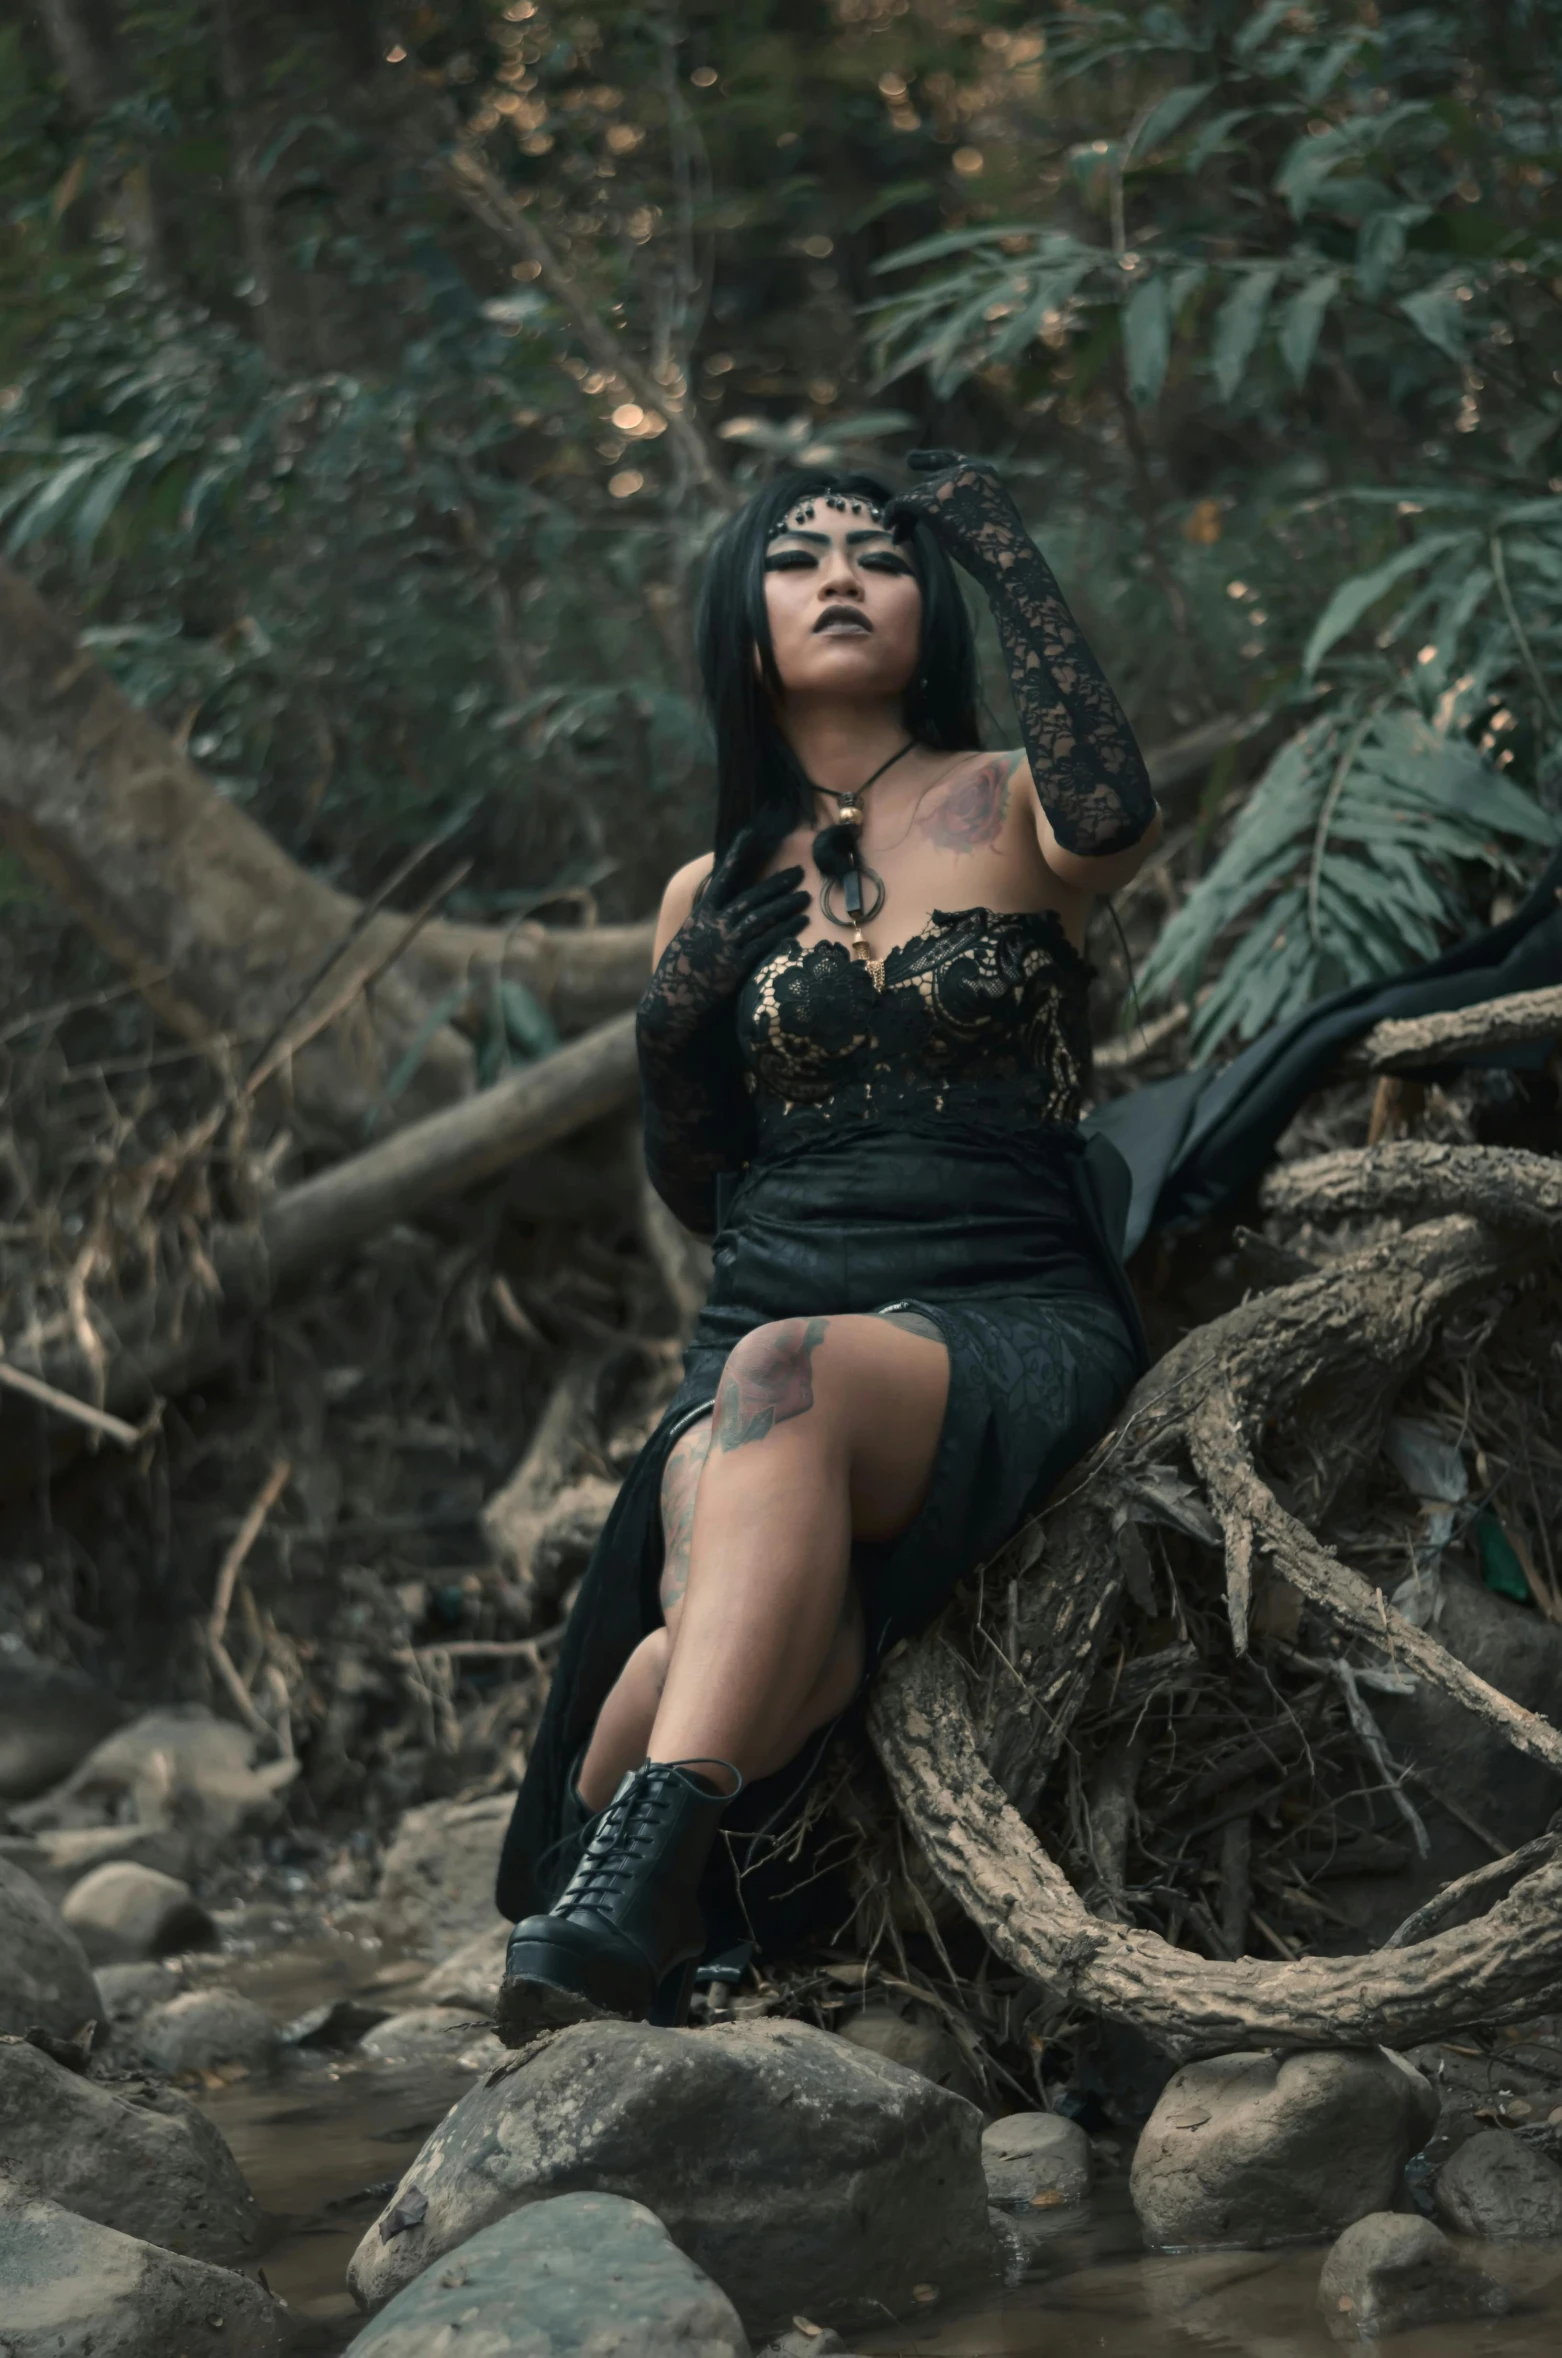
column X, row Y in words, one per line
column 1352, row 857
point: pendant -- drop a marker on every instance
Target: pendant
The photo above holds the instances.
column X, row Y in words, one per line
column 863, row 956
column 850, row 814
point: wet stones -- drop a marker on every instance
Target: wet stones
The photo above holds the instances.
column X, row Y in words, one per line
column 434, row 2034
column 471, row 1976
column 124, row 1912
column 1255, row 2149
column 796, row 2171
column 135, row 2157
column 581, row 2273
column 1494, row 2185
column 45, row 1978
column 1036, row 2161
column 72, row 2288
column 208, row 2030
column 437, row 1887
column 1395, row 2270
column 915, row 2046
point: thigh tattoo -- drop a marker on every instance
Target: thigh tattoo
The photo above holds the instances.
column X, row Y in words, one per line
column 680, row 1489
column 769, row 1383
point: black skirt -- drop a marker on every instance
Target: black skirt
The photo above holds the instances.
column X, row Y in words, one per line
column 1004, row 1242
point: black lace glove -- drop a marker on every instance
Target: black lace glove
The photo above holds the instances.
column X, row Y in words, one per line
column 698, row 1123
column 1090, row 775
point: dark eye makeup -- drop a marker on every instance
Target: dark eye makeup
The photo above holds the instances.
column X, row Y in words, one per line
column 874, row 561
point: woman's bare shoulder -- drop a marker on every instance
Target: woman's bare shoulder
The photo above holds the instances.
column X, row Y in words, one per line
column 678, row 899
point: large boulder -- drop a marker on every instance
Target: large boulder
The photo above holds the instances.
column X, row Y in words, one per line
column 181, row 1769
column 45, row 1979
column 437, row 1884
column 1258, row 2149
column 124, row 1912
column 1393, row 2271
column 136, row 2157
column 50, row 1718
column 799, row 2172
column 70, row 2288
column 1496, row 2186
column 208, row 2030
column 586, row 2273
column 1036, row 2161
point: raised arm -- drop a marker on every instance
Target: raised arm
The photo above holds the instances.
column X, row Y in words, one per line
column 697, row 1118
column 1089, row 774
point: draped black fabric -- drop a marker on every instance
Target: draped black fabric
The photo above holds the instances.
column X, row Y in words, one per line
column 1196, row 1143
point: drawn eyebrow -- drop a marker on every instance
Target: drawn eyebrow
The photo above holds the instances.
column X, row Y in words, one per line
column 822, row 539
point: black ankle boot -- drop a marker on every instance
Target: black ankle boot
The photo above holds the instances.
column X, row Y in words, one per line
column 626, row 1933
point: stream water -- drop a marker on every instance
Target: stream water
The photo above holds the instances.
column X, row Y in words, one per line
column 322, row 2144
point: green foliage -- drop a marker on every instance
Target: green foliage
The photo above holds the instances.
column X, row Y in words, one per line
column 1347, row 861
column 1337, row 231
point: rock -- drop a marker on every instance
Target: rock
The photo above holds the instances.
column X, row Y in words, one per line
column 70, row 2288
column 45, row 1978
column 1394, row 2270
column 1036, row 2160
column 472, row 1976
column 135, row 2156
column 915, row 2046
column 1496, row 2186
column 334, row 2027
column 437, row 1885
column 123, row 1912
column 1257, row 2149
column 587, row 2273
column 181, row 1768
column 203, row 2030
column 799, row 2172
column 127, row 1992
column 50, row 1718
column 434, row 2034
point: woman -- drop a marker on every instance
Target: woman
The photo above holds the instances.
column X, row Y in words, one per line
column 915, row 1324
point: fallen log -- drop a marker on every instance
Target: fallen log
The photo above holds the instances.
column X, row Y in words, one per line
column 145, row 1355
column 970, row 1720
column 221, row 931
column 1413, row 1043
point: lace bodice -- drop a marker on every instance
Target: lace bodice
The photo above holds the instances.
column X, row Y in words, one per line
column 983, row 1014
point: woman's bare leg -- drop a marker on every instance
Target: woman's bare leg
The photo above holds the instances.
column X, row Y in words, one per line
column 824, row 1428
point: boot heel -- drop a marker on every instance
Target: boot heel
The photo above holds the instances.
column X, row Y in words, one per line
column 670, row 2001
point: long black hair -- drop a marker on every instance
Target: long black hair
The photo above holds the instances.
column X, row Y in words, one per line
column 759, row 780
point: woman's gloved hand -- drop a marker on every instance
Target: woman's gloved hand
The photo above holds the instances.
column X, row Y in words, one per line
column 733, row 925
column 966, row 509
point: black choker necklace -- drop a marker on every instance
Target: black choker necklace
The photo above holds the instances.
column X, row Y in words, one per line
column 838, row 857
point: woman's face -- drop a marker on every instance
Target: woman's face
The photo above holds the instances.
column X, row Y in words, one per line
column 845, row 607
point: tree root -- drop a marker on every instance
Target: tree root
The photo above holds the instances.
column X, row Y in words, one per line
column 969, row 1721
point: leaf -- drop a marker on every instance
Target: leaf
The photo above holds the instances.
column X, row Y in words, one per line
column 103, row 497
column 1351, row 600
column 1213, row 136
column 1240, row 324
column 1439, row 315
column 1303, row 321
column 1380, row 243
column 47, row 507
column 1166, row 116
column 1259, row 26
column 1147, row 338
column 528, row 1025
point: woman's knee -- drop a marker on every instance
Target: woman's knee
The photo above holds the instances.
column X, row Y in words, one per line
column 773, row 1376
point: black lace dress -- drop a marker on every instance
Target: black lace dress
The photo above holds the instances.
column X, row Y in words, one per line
column 910, row 1146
